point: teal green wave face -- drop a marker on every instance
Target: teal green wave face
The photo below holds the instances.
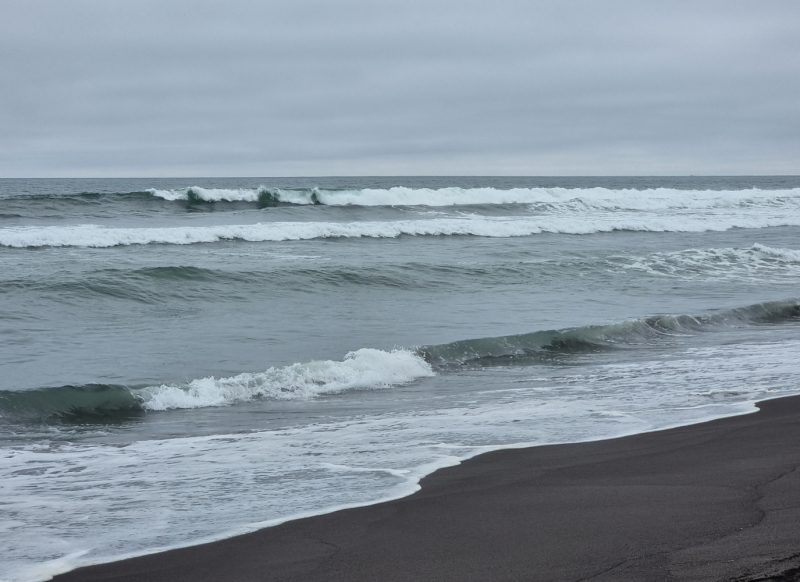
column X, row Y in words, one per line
column 93, row 402
column 543, row 345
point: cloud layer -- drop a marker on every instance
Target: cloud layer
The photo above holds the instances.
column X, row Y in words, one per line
column 357, row 87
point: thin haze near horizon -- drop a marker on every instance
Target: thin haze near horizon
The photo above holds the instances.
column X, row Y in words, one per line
column 311, row 88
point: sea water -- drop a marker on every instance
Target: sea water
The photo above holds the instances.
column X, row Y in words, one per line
column 182, row 360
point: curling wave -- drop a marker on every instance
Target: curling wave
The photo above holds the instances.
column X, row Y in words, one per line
column 596, row 338
column 368, row 368
column 262, row 195
column 363, row 369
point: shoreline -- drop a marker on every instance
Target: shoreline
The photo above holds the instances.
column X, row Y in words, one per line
column 680, row 503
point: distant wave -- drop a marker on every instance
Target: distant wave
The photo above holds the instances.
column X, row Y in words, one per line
column 89, row 235
column 545, row 199
column 601, row 198
column 265, row 196
column 81, row 198
column 368, row 368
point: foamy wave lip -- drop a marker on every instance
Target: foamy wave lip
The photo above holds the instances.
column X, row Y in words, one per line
column 561, row 198
column 89, row 235
column 730, row 263
column 366, row 368
column 558, row 198
column 209, row 194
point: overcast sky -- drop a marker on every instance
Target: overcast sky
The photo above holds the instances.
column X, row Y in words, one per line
column 412, row 87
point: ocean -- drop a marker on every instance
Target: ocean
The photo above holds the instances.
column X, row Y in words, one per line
column 182, row 360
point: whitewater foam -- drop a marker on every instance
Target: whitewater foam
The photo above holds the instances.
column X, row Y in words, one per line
column 210, row 194
column 366, row 368
column 204, row 482
column 746, row 264
column 566, row 198
column 91, row 235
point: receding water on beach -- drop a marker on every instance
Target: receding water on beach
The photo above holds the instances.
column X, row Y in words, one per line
column 186, row 359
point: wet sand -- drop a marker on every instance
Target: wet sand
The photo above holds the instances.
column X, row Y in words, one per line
column 712, row 501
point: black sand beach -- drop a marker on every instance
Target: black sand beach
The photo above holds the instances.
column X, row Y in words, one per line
column 713, row 501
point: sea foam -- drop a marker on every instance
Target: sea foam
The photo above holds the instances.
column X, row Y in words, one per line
column 600, row 198
column 757, row 261
column 366, row 368
column 154, row 494
column 92, row 235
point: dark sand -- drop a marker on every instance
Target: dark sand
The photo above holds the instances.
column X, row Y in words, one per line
column 713, row 501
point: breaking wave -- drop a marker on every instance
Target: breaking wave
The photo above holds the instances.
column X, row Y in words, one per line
column 363, row 369
column 368, row 369
column 262, row 195
column 90, row 235
column 567, row 198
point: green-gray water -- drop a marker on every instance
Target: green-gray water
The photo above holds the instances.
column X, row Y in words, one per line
column 184, row 359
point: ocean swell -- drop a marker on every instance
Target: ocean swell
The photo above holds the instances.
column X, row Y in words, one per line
column 533, row 347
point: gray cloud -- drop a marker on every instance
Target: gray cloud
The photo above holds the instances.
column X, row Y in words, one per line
column 116, row 87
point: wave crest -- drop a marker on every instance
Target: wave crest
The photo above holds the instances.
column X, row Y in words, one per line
column 564, row 198
column 364, row 369
column 369, row 369
column 90, row 235
column 632, row 332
